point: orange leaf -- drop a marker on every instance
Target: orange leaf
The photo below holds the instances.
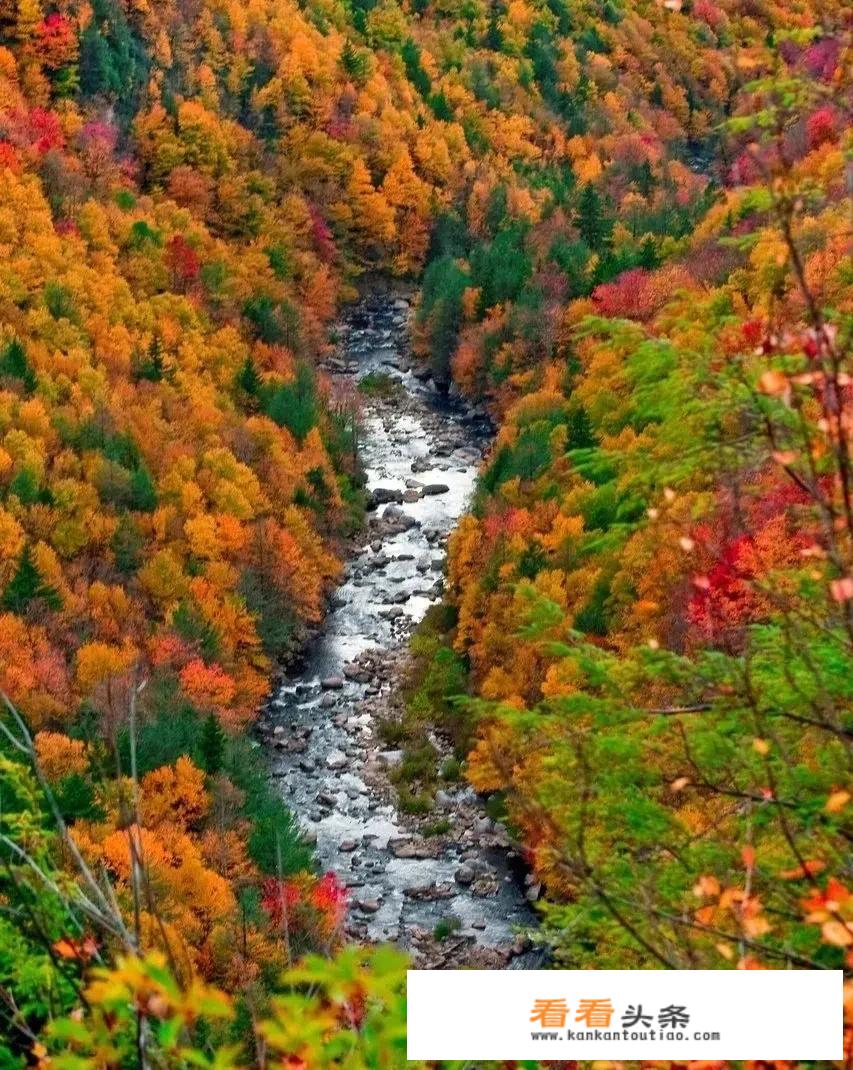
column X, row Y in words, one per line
column 808, row 869
column 65, row 949
column 773, row 383
column 706, row 886
column 837, row 801
column 748, row 856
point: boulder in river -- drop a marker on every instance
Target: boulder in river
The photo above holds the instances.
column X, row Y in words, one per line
column 406, row 847
column 332, row 683
column 336, row 759
column 431, row 489
column 384, row 495
column 400, row 519
column 465, row 874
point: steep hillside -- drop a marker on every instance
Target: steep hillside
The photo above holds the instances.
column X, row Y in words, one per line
column 652, row 596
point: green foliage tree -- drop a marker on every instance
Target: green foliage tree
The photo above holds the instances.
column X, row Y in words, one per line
column 294, row 405
column 27, row 585
column 441, row 311
column 212, row 745
column 590, row 219
column 14, row 365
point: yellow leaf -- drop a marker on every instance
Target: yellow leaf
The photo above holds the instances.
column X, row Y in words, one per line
column 837, row 801
column 705, row 886
column 837, row 933
column 756, row 926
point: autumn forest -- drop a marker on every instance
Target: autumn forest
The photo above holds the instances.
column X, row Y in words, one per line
column 616, row 235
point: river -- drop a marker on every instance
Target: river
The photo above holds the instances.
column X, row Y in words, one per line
column 421, row 453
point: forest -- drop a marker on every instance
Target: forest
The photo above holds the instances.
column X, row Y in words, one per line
column 628, row 227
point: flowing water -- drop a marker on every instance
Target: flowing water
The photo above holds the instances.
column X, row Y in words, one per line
column 421, row 454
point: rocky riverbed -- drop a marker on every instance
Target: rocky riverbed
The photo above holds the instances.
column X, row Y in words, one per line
column 421, row 453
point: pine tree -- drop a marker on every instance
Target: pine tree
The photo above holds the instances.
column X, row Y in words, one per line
column 143, row 493
column 648, row 253
column 646, row 181
column 590, row 219
column 248, row 380
column 354, row 62
column 153, row 367
column 14, row 365
column 189, row 624
column 212, row 745
column 127, row 544
column 27, row 489
column 27, row 585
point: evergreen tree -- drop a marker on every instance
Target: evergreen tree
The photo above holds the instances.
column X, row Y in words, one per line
column 14, row 365
column 441, row 311
column 143, row 493
column 126, row 544
column 494, row 38
column 153, row 367
column 27, row 585
column 648, row 253
column 27, row 489
column 191, row 625
column 414, row 68
column 294, row 405
column 441, row 108
column 96, row 73
column 354, row 62
column 248, row 380
column 212, row 745
column 113, row 61
column 590, row 219
column 646, row 181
